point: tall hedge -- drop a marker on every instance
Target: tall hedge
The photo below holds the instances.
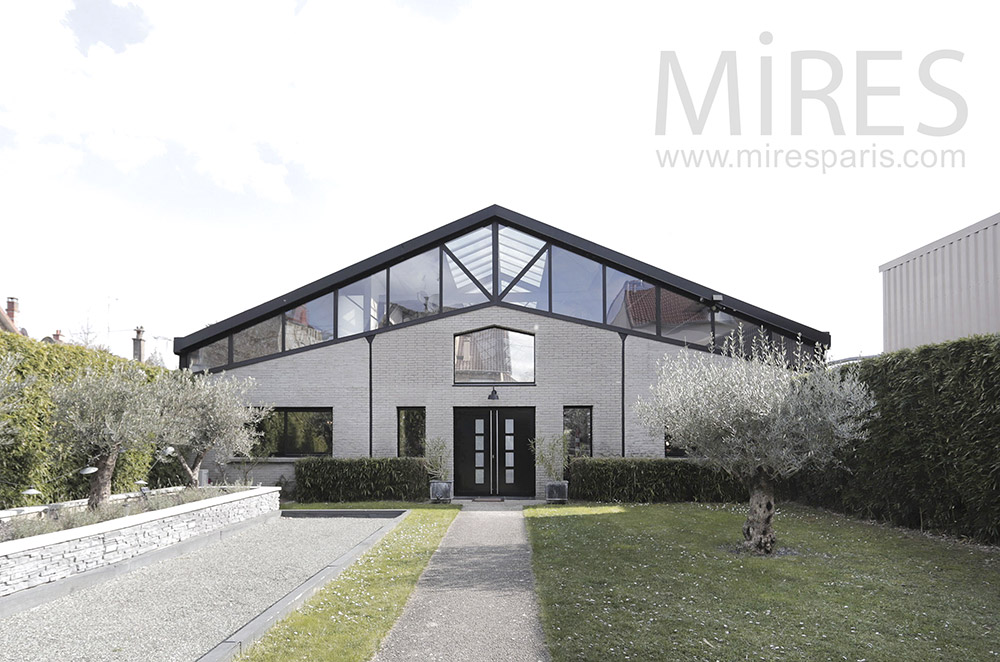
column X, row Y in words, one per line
column 932, row 459
column 364, row 479
column 33, row 460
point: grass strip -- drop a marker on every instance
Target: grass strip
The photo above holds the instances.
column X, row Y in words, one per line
column 351, row 615
column 654, row 582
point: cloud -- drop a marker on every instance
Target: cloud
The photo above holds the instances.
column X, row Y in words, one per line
column 102, row 21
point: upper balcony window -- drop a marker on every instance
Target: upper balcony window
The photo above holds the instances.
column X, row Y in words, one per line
column 494, row 356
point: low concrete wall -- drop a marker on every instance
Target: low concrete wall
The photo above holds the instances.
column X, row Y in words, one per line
column 29, row 562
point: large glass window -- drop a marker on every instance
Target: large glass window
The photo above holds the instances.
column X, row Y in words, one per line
column 578, row 428
column 411, row 431
column 631, row 302
column 459, row 290
column 361, row 305
column 494, row 356
column 210, row 356
column 310, row 323
column 577, row 286
column 261, row 339
column 727, row 325
column 413, row 288
column 475, row 251
column 516, row 250
column 532, row 289
column 296, row 431
column 684, row 319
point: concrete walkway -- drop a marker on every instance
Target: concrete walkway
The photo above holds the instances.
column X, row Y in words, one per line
column 476, row 599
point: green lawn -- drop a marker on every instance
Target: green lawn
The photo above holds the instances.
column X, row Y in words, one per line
column 348, row 618
column 655, row 582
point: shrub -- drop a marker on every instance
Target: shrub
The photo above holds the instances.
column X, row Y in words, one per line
column 650, row 480
column 363, row 479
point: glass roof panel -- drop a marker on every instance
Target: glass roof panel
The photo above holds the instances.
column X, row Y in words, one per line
column 532, row 291
column 516, row 250
column 458, row 289
column 475, row 251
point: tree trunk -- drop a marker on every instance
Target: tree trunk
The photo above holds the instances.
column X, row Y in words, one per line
column 100, row 482
column 192, row 468
column 757, row 530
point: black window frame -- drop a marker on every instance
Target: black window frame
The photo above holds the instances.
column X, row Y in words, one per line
column 399, row 430
column 280, row 451
column 590, row 423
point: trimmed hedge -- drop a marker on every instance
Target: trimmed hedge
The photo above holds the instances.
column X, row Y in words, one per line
column 650, row 480
column 33, row 460
column 363, row 479
column 933, row 456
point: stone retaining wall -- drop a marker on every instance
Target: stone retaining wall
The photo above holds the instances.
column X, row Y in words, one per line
column 30, row 562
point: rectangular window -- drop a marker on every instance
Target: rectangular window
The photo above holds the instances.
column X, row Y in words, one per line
column 361, row 305
column 210, row 356
column 293, row 431
column 310, row 323
column 578, row 427
column 411, row 431
column 261, row 339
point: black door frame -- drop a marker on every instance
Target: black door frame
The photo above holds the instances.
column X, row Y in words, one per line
column 496, row 451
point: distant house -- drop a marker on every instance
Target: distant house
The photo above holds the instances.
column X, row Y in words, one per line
column 486, row 332
column 948, row 289
column 8, row 322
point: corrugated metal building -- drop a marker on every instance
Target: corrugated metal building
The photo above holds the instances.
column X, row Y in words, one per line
column 948, row 289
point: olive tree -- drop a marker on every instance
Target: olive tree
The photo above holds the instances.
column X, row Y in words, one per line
column 102, row 415
column 199, row 413
column 751, row 412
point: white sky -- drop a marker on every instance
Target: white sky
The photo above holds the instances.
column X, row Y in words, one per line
column 169, row 164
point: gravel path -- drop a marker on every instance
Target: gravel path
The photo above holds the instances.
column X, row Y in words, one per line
column 476, row 599
column 180, row 608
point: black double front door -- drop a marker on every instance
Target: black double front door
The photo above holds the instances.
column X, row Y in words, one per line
column 492, row 453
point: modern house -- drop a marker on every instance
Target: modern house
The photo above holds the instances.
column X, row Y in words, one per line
column 487, row 332
column 946, row 290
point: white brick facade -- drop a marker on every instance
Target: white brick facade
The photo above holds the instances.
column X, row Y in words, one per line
column 575, row 365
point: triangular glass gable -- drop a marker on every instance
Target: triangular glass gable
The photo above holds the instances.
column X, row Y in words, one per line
column 458, row 289
column 516, row 250
column 475, row 251
column 532, row 290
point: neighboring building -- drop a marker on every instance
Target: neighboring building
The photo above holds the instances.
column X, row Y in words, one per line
column 8, row 322
column 487, row 332
column 948, row 289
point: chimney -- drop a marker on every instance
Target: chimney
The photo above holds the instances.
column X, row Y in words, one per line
column 57, row 336
column 138, row 345
column 12, row 309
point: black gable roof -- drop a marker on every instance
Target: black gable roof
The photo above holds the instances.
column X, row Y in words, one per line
column 472, row 221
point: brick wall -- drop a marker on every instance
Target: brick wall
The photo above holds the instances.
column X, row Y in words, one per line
column 38, row 560
column 575, row 365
